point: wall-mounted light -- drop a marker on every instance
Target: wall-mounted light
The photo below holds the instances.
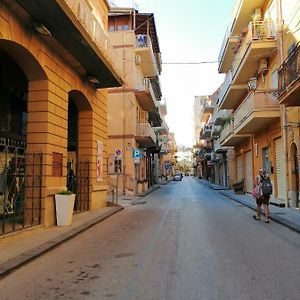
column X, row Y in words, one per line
column 93, row 79
column 41, row 29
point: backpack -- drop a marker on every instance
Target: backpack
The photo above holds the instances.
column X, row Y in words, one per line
column 266, row 186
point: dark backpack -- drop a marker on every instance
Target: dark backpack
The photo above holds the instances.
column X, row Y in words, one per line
column 266, row 186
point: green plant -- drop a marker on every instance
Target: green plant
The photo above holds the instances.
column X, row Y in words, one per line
column 65, row 192
column 239, row 186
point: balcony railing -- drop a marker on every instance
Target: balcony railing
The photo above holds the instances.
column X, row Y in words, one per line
column 224, row 43
column 143, row 41
column 226, row 131
column 216, row 131
column 289, row 71
column 221, row 116
column 255, row 102
column 225, row 86
column 146, row 96
column 206, row 131
column 258, row 31
column 95, row 30
column 149, row 59
column 145, row 130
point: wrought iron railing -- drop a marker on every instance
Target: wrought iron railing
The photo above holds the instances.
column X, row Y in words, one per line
column 78, row 181
column 289, row 71
column 20, row 186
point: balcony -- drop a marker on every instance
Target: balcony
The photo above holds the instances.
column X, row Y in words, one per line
column 218, row 148
column 207, row 110
column 288, row 79
column 226, row 54
column 242, row 9
column 145, row 95
column 231, row 94
column 145, row 135
column 259, row 42
column 163, row 129
column 221, row 117
column 216, row 130
column 74, row 26
column 229, row 138
column 147, row 59
column 256, row 111
column 205, row 132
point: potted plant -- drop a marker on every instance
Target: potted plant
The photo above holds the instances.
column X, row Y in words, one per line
column 238, row 187
column 64, row 205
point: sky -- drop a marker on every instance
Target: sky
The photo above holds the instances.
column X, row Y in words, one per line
column 188, row 31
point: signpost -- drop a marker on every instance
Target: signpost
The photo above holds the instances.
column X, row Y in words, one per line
column 137, row 155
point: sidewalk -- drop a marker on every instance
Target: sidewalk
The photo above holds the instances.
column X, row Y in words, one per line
column 288, row 217
column 21, row 247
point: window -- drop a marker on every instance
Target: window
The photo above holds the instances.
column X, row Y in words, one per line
column 111, row 28
column 120, row 27
column 126, row 27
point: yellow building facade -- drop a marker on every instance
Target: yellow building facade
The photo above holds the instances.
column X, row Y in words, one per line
column 263, row 127
column 134, row 109
column 53, row 116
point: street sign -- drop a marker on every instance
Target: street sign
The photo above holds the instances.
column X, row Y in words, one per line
column 137, row 153
column 118, row 153
column 136, row 160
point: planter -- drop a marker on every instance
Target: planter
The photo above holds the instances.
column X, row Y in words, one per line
column 64, row 205
column 140, row 187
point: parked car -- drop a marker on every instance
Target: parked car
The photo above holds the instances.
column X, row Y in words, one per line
column 177, row 177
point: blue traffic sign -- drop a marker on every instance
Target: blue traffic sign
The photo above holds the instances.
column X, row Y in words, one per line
column 137, row 153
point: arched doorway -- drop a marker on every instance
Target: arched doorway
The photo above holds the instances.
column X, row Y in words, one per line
column 294, row 171
column 19, row 207
column 79, row 143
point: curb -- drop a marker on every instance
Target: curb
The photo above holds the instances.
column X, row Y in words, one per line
column 28, row 256
column 152, row 189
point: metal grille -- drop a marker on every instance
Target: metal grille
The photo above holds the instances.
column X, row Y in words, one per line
column 20, row 186
column 289, row 70
column 78, row 182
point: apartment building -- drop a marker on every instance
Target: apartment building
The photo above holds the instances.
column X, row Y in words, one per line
column 135, row 109
column 56, row 63
column 254, row 56
column 203, row 109
column 289, row 93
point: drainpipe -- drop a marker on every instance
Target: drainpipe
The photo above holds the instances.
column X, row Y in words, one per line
column 283, row 108
column 124, row 116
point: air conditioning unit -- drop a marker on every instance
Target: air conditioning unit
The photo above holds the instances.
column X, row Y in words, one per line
column 137, row 60
column 263, row 66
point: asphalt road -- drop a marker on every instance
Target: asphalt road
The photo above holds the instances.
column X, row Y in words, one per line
column 186, row 242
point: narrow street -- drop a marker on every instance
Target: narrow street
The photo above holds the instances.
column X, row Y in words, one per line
column 183, row 241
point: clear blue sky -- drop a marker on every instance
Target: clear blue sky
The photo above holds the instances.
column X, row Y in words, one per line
column 188, row 31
